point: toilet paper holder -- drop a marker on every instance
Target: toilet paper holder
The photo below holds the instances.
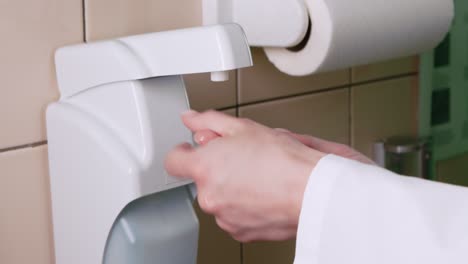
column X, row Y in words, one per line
column 117, row 98
column 267, row 23
column 303, row 37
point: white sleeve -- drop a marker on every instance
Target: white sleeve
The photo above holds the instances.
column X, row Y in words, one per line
column 355, row 213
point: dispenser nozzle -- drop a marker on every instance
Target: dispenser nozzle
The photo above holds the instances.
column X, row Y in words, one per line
column 220, row 76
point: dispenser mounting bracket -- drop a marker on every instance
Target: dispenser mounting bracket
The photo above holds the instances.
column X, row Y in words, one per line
column 267, row 23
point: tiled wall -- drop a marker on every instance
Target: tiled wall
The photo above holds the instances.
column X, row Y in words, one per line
column 355, row 106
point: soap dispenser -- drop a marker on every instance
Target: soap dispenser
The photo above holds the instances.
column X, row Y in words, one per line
column 116, row 119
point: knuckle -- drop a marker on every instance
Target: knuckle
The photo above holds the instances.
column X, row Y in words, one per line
column 211, row 113
column 343, row 147
column 236, row 236
column 345, row 150
column 245, row 121
column 221, row 224
column 241, row 237
column 209, row 204
column 281, row 135
column 225, row 226
column 203, row 205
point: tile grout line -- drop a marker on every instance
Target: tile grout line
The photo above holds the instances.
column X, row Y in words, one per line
column 294, row 95
column 237, row 91
column 386, row 78
column 226, row 108
column 350, row 109
column 85, row 33
column 241, row 253
column 30, row 145
column 341, row 87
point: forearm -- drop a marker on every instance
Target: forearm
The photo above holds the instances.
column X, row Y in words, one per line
column 356, row 213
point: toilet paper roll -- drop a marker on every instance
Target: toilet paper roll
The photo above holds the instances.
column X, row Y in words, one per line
column 345, row 33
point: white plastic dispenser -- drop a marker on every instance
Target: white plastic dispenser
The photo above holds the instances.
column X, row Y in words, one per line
column 118, row 115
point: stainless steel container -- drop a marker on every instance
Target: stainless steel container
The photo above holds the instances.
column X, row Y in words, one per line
column 404, row 155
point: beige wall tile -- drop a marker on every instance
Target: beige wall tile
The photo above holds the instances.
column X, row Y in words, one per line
column 263, row 81
column 270, row 252
column 385, row 69
column 114, row 18
column 383, row 109
column 454, row 170
column 325, row 115
column 25, row 222
column 215, row 246
column 31, row 31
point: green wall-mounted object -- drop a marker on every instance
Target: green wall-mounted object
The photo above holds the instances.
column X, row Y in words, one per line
column 444, row 92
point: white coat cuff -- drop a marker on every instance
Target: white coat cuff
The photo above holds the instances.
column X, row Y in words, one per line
column 314, row 207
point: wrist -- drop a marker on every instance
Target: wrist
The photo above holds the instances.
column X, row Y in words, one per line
column 306, row 164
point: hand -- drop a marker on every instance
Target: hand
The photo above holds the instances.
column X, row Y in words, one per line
column 329, row 147
column 250, row 177
column 203, row 137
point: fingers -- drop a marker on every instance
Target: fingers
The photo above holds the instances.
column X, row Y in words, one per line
column 311, row 142
column 330, row 147
column 319, row 144
column 180, row 161
column 283, row 130
column 217, row 122
column 204, row 137
column 225, row 226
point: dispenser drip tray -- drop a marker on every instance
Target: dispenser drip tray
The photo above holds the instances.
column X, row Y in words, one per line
column 158, row 229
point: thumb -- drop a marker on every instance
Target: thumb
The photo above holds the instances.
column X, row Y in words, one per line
column 179, row 161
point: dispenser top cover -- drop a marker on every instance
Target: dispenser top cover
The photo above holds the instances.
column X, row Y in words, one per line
column 185, row 51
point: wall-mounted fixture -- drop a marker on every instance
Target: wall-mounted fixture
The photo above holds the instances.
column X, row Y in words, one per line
column 302, row 37
column 118, row 115
column 267, row 23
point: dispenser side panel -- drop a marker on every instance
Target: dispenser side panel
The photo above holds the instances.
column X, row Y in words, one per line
column 92, row 178
column 165, row 100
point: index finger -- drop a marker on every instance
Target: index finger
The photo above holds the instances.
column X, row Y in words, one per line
column 217, row 122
